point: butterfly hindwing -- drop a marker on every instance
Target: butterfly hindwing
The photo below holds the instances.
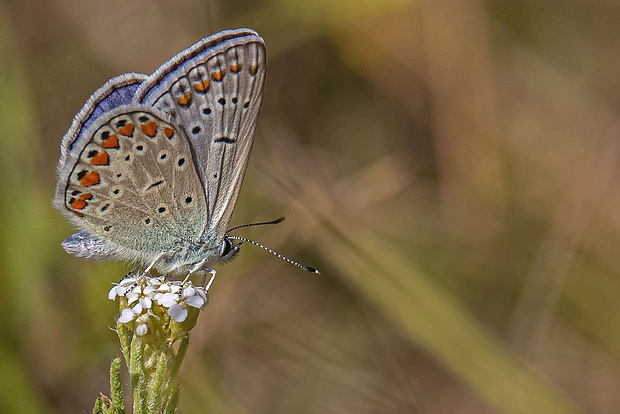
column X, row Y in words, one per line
column 213, row 91
column 132, row 182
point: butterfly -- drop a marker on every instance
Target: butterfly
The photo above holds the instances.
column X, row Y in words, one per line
column 151, row 167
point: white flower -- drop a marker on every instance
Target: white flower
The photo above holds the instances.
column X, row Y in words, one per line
column 126, row 316
column 167, row 299
column 149, row 290
column 141, row 329
column 195, row 301
column 128, row 281
column 189, row 291
column 137, row 310
column 178, row 313
column 112, row 293
column 143, row 293
column 145, row 302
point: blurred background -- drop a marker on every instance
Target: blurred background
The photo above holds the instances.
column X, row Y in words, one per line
column 452, row 167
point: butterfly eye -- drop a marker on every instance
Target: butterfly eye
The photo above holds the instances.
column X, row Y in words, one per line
column 227, row 247
column 230, row 251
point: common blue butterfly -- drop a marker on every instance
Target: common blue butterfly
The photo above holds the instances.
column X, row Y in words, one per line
column 151, row 167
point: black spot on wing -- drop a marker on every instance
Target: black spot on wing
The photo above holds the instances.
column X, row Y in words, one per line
column 225, row 140
column 155, row 184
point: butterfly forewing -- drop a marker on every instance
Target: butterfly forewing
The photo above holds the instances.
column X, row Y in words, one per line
column 214, row 92
column 115, row 92
column 134, row 182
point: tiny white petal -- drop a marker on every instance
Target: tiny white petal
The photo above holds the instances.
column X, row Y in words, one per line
column 201, row 292
column 164, row 288
column 132, row 297
column 137, row 309
column 154, row 282
column 146, row 302
column 168, row 299
column 195, row 301
column 127, row 281
column 175, row 288
column 148, row 290
column 137, row 289
column 189, row 291
column 126, row 316
column 112, row 293
column 178, row 313
column 121, row 290
column 141, row 330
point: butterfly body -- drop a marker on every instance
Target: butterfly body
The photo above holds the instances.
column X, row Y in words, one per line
column 151, row 167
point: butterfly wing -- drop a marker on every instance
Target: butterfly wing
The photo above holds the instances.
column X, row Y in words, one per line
column 116, row 92
column 130, row 182
column 213, row 91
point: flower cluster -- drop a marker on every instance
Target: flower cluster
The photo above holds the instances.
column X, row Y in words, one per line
column 145, row 299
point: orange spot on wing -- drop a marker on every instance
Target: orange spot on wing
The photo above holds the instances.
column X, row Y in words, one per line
column 127, row 130
column 150, row 128
column 202, row 86
column 85, row 196
column 78, row 214
column 235, row 68
column 111, row 142
column 184, row 100
column 168, row 131
column 78, row 204
column 90, row 179
column 100, row 159
column 217, row 76
column 253, row 69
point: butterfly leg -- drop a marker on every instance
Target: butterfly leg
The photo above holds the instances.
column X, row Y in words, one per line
column 197, row 267
column 204, row 278
column 159, row 256
column 194, row 269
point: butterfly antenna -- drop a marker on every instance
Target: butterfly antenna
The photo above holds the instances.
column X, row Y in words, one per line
column 262, row 223
column 299, row 265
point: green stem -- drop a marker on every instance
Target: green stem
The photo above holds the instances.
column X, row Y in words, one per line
column 180, row 356
column 155, row 396
column 136, row 371
column 116, row 387
column 98, row 408
column 173, row 400
column 124, row 335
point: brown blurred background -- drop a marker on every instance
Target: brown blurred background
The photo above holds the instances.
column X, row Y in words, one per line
column 452, row 167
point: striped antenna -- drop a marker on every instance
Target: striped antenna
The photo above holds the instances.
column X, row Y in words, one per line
column 299, row 265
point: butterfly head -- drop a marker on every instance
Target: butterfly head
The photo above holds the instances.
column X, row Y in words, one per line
column 207, row 255
column 230, row 251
